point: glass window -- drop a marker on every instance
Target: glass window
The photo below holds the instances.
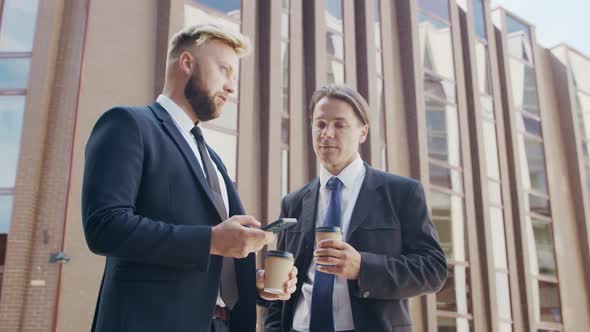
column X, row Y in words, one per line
column 499, row 238
column 487, row 106
column 443, row 132
column 335, row 44
column 528, row 124
column 541, row 242
column 224, row 13
column 503, row 296
column 335, row 72
column 519, row 40
column 438, row 8
column 447, row 216
column 436, row 48
column 546, row 297
column 334, row 8
column 377, row 23
column 450, row 324
column 11, row 122
column 226, row 146
column 491, row 149
column 539, row 205
column 479, row 19
column 524, row 86
column 454, row 295
column 285, row 131
column 439, row 87
column 18, row 25
column 580, row 71
column 5, row 214
column 535, row 159
column 446, row 178
column 483, row 68
column 15, row 73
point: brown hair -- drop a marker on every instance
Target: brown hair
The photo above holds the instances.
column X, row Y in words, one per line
column 346, row 94
column 201, row 33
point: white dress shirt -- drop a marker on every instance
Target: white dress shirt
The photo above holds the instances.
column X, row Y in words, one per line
column 352, row 177
column 184, row 124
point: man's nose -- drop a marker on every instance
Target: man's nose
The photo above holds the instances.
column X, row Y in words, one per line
column 230, row 86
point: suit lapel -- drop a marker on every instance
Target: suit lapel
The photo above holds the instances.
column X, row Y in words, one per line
column 187, row 153
column 309, row 210
column 367, row 198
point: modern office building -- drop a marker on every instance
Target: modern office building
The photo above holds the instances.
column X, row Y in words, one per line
column 462, row 98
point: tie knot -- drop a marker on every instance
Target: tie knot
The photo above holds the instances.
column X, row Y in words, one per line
column 334, row 184
column 196, row 131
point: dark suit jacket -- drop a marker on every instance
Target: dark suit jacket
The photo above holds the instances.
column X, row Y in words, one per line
column 147, row 207
column 400, row 254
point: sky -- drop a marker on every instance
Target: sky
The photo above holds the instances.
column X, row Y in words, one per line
column 556, row 21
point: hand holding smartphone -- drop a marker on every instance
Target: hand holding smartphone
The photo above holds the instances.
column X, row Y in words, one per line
column 279, row 225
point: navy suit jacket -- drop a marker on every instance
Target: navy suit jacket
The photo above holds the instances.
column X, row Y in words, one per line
column 400, row 255
column 147, row 207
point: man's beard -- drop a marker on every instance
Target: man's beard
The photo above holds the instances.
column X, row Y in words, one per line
column 203, row 105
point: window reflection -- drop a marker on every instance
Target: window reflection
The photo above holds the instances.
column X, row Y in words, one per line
column 529, row 125
column 334, row 8
column 483, row 68
column 439, row 87
column 494, row 192
column 11, row 122
column 519, row 40
column 541, row 247
column 18, row 25
column 546, row 297
column 335, row 44
column 436, row 48
column 438, row 8
column 453, row 296
column 447, row 215
column 15, row 73
column 446, row 178
column 538, row 205
column 443, row 131
column 449, row 324
column 335, row 72
column 479, row 19
column 5, row 213
column 524, row 86
column 535, row 158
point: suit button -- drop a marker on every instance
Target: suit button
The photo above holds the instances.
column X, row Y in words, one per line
column 366, row 294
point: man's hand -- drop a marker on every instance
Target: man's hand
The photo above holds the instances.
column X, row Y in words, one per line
column 345, row 259
column 232, row 239
column 289, row 287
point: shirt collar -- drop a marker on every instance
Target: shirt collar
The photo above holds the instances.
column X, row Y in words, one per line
column 347, row 175
column 182, row 120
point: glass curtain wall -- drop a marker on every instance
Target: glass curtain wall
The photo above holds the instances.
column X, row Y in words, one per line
column 17, row 31
column 446, row 170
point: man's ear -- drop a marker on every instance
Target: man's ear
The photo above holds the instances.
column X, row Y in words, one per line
column 186, row 62
column 364, row 133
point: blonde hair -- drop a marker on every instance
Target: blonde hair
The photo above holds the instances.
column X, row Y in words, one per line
column 202, row 33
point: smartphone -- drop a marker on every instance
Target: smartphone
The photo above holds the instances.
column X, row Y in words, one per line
column 279, row 225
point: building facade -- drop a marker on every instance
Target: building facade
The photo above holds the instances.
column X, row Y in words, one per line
column 462, row 98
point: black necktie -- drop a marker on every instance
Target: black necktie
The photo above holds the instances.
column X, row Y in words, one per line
column 229, row 287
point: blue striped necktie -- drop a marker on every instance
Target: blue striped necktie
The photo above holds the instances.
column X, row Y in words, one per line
column 322, row 316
